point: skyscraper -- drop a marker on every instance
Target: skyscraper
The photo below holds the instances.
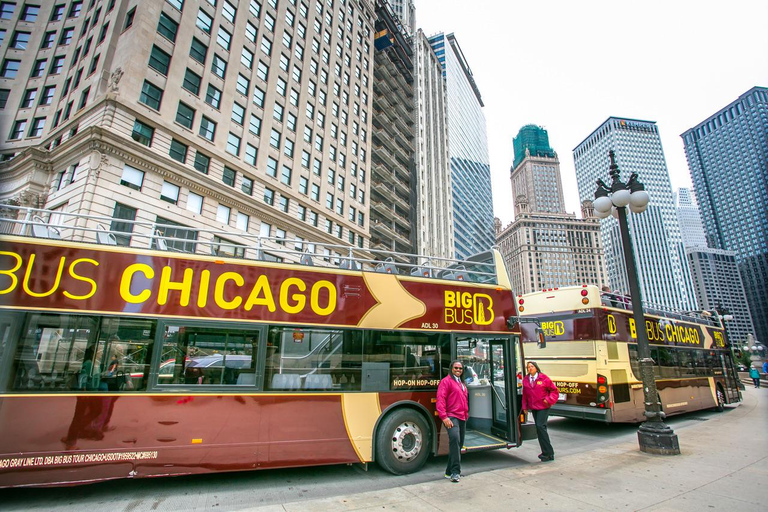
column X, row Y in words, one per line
column 545, row 247
column 250, row 116
column 663, row 270
column 728, row 158
column 689, row 219
column 468, row 151
column 717, row 283
column 434, row 198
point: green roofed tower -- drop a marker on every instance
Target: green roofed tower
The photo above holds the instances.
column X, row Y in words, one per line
column 535, row 140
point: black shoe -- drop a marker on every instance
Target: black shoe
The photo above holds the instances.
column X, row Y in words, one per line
column 542, row 456
column 454, row 477
column 547, row 458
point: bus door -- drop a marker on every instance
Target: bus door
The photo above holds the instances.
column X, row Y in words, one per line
column 489, row 373
column 732, row 382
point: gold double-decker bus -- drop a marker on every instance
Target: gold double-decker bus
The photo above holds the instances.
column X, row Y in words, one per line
column 590, row 353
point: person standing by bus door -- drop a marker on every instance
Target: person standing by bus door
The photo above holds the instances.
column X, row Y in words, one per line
column 453, row 409
column 539, row 394
column 755, row 375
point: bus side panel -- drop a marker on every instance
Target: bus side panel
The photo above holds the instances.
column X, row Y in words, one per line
column 66, row 439
column 685, row 395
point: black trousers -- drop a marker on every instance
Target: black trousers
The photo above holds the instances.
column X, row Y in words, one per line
column 540, row 419
column 756, row 381
column 455, row 442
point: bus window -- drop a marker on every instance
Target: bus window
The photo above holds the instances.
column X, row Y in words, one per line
column 686, row 363
column 127, row 347
column 57, row 352
column 212, row 356
column 411, row 360
column 311, row 359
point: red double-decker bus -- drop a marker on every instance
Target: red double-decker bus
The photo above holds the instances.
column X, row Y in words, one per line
column 118, row 361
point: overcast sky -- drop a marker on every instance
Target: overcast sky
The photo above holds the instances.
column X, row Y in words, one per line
column 569, row 65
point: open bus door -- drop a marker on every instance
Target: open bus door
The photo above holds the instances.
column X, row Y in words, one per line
column 490, row 373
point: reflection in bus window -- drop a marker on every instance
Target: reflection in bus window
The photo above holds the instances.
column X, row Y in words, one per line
column 63, row 353
column 213, row 356
column 333, row 359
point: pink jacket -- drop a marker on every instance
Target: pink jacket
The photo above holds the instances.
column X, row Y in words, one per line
column 534, row 394
column 452, row 399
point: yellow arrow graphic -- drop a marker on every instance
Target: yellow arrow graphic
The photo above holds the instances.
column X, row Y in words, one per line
column 395, row 305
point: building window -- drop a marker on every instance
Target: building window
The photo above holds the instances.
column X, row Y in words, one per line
column 198, row 50
column 213, row 96
column 246, row 58
column 185, row 115
column 265, row 229
column 159, row 61
column 142, row 133
column 242, row 222
column 29, row 98
column 4, row 93
column 11, row 68
column 170, row 193
column 247, row 185
column 48, row 39
column 262, row 71
column 167, row 28
column 66, row 36
column 250, row 154
column 202, row 162
column 204, row 22
column 271, row 167
column 258, row 97
column 178, row 151
column 39, row 69
column 30, row 12
column 84, row 98
column 228, row 177
column 224, row 38
column 151, row 95
column 191, row 82
column 274, row 139
column 223, row 213
column 283, row 203
column 243, row 84
column 218, row 66
column 57, row 64
column 207, row 128
column 233, row 144
column 269, row 196
column 20, row 40
column 132, row 178
column 122, row 222
column 285, row 177
column 238, row 113
column 36, row 129
column 194, row 203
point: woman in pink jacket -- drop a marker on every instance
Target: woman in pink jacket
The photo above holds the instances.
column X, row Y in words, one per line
column 539, row 394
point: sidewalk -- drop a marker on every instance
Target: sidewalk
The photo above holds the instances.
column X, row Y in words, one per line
column 723, row 466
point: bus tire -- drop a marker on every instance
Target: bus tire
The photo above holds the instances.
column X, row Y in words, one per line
column 720, row 395
column 403, row 442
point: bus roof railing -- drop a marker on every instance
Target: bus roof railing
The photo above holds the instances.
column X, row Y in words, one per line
column 176, row 238
column 625, row 302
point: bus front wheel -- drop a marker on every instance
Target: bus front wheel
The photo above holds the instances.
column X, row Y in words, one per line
column 402, row 442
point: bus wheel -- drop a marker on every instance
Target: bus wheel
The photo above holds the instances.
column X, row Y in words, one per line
column 720, row 407
column 402, row 442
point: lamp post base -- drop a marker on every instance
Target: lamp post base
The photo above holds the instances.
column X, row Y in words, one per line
column 658, row 439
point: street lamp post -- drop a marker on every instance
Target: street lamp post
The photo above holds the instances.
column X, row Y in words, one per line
column 654, row 436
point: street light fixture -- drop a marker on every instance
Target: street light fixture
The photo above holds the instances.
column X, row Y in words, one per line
column 654, row 436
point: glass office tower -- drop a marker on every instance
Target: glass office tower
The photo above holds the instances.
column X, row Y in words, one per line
column 468, row 151
column 728, row 159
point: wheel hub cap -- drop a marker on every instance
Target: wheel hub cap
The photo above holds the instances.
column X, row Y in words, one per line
column 407, row 440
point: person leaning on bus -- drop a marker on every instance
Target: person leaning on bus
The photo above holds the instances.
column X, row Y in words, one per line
column 539, row 394
column 453, row 408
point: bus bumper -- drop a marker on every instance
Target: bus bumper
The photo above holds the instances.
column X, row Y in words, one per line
column 581, row 412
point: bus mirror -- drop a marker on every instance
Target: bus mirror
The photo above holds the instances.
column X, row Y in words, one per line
column 541, row 342
column 511, row 322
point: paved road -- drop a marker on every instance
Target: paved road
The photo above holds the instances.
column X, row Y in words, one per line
column 237, row 491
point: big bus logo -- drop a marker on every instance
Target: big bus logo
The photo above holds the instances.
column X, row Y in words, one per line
column 468, row 308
